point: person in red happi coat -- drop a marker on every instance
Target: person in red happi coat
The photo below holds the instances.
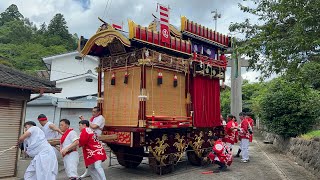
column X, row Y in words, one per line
column 93, row 151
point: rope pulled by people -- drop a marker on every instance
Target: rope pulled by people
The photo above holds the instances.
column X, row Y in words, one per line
column 3, row 151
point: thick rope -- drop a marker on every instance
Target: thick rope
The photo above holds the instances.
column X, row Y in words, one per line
column 3, row 151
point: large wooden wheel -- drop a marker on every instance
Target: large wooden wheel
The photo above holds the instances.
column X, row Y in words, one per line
column 130, row 157
column 157, row 168
column 193, row 158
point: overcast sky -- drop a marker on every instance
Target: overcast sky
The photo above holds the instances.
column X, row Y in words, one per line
column 82, row 15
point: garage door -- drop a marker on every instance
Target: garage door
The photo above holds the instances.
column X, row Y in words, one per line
column 10, row 121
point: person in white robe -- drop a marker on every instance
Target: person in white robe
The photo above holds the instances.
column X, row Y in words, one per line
column 50, row 131
column 68, row 145
column 44, row 164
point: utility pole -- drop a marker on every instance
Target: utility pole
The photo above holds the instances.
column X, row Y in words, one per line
column 215, row 17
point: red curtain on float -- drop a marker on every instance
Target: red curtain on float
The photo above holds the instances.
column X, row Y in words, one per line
column 206, row 101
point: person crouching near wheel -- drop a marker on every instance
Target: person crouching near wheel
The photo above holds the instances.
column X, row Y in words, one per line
column 93, row 151
column 219, row 154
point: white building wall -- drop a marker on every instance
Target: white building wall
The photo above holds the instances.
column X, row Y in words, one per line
column 68, row 66
column 76, row 87
column 32, row 113
column 73, row 116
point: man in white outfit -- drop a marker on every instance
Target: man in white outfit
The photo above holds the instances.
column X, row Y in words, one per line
column 97, row 123
column 44, row 164
column 50, row 130
column 68, row 145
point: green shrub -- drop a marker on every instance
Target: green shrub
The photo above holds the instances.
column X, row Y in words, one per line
column 288, row 108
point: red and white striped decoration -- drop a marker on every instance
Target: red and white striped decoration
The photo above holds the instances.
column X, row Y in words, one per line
column 164, row 24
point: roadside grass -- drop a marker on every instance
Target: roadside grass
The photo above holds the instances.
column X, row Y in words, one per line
column 311, row 134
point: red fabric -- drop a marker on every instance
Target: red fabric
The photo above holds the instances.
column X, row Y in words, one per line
column 244, row 134
column 218, row 150
column 230, row 134
column 42, row 119
column 206, row 101
column 65, row 134
column 236, row 133
column 116, row 26
column 91, row 147
column 91, row 119
column 251, row 122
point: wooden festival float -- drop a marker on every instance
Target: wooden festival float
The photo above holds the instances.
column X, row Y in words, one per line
column 161, row 99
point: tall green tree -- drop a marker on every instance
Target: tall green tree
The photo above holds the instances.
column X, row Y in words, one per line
column 285, row 36
column 59, row 34
column 10, row 14
column 22, row 44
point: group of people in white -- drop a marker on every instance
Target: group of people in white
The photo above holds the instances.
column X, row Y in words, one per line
column 44, row 165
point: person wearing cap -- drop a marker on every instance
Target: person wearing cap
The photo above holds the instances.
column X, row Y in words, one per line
column 68, row 149
column 43, row 165
column 50, row 130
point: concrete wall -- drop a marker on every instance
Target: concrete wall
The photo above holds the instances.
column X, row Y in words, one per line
column 67, row 66
column 305, row 152
column 73, row 116
column 77, row 87
column 33, row 112
column 54, row 114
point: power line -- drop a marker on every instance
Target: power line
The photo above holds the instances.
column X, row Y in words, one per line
column 104, row 12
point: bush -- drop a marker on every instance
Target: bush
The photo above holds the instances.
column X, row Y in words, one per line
column 289, row 109
column 311, row 134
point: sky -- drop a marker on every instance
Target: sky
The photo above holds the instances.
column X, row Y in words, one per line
column 82, row 15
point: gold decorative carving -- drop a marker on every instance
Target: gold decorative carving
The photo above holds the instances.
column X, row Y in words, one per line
column 180, row 145
column 159, row 149
column 104, row 41
column 197, row 144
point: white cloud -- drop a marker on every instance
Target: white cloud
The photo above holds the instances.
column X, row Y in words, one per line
column 83, row 21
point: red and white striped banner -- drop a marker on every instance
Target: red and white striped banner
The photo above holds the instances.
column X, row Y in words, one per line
column 164, row 24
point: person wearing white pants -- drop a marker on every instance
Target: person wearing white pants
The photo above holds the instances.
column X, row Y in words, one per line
column 245, row 136
column 68, row 143
column 44, row 164
column 245, row 149
column 93, row 151
column 96, row 123
column 96, row 171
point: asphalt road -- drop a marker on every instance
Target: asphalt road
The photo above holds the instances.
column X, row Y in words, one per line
column 265, row 163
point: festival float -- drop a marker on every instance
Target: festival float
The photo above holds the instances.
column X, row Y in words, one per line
column 159, row 89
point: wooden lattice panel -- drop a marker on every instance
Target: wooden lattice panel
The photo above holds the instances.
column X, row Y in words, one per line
column 165, row 99
column 121, row 103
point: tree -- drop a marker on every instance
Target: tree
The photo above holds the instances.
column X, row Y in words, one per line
column 10, row 14
column 22, row 45
column 43, row 29
column 285, row 37
column 288, row 109
column 59, row 34
column 225, row 101
column 58, row 26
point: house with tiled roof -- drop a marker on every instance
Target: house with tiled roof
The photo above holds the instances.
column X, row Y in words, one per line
column 15, row 91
